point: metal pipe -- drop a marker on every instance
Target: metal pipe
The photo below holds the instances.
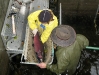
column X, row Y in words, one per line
column 29, row 63
column 60, row 15
column 95, row 48
column 13, row 26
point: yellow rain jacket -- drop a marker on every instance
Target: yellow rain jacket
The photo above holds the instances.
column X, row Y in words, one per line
column 34, row 23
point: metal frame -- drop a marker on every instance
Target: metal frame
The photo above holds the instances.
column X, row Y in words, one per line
column 14, row 44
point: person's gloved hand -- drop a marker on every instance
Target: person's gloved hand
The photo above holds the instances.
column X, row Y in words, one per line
column 41, row 65
column 34, row 31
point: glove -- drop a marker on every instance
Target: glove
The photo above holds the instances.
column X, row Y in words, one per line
column 35, row 31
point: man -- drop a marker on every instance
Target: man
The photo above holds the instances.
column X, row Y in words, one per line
column 69, row 47
column 42, row 21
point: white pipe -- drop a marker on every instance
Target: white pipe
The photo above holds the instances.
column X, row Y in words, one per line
column 23, row 9
column 60, row 15
column 13, row 25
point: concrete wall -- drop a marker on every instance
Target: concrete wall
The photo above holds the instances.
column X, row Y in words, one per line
column 3, row 9
column 79, row 7
column 4, row 60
